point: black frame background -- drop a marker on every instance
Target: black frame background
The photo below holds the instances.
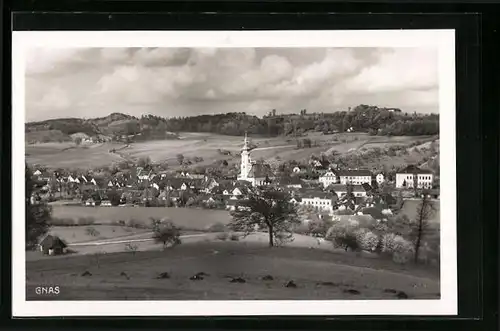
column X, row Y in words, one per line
column 477, row 43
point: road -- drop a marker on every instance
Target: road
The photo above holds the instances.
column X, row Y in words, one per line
column 126, row 241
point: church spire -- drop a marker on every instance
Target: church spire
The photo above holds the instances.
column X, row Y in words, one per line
column 245, row 145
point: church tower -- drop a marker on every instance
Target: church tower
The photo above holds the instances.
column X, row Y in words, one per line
column 246, row 163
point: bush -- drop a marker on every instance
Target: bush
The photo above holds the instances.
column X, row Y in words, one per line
column 344, row 236
column 222, row 236
column 234, row 237
column 399, row 248
column 367, row 240
column 318, row 228
column 217, row 227
column 133, row 223
column 92, row 232
column 131, row 248
column 166, row 233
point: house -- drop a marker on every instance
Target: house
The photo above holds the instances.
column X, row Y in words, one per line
column 341, row 190
column 328, row 178
column 414, row 177
column 296, row 200
column 209, row 184
column 90, row 202
column 234, row 204
column 433, row 194
column 239, row 191
column 373, row 212
column 320, row 167
column 355, row 176
column 106, row 203
column 380, row 178
column 143, row 174
column 52, row 245
column 37, row 173
column 291, row 182
column 322, row 200
column 296, row 169
column 173, row 184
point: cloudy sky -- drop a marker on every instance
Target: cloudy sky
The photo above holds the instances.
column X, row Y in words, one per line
column 93, row 82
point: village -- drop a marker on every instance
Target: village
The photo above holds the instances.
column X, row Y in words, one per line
column 325, row 187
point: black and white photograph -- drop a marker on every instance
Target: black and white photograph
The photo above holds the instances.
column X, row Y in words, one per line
column 234, row 173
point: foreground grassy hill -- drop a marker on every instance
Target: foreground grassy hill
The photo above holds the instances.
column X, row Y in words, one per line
column 318, row 274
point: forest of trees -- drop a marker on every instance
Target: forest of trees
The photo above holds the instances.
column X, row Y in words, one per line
column 363, row 118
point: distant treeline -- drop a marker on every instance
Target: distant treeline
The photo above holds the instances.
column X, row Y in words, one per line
column 363, row 118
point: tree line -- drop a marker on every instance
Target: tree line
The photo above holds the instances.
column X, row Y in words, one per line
column 363, row 118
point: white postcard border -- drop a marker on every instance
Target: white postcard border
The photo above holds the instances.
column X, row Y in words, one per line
column 443, row 40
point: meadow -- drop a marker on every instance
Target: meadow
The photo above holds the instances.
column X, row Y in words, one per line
column 204, row 145
column 189, row 218
column 317, row 274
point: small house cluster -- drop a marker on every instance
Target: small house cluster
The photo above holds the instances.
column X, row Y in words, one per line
column 334, row 189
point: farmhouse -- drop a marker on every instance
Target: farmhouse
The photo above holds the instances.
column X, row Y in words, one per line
column 357, row 190
column 321, row 200
column 291, row 182
column 52, row 245
column 355, row 176
column 414, row 177
column 328, row 178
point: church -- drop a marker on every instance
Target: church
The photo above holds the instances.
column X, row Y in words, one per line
column 256, row 173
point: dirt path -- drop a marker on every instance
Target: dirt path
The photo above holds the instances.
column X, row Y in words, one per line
column 128, row 239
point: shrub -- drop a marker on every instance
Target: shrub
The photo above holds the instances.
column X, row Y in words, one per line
column 367, row 240
column 166, row 233
column 92, row 232
column 133, row 223
column 222, row 236
column 343, row 235
column 318, row 228
column 131, row 248
column 234, row 237
column 399, row 248
column 217, row 227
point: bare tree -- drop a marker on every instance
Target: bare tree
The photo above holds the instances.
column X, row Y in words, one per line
column 419, row 227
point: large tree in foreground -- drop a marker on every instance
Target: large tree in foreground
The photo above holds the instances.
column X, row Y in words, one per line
column 37, row 215
column 266, row 208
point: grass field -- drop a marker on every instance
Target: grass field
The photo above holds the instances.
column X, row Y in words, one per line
column 318, row 274
column 200, row 145
column 77, row 234
column 188, row 218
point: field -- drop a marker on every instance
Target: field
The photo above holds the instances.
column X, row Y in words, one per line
column 318, row 274
column 201, row 145
column 188, row 218
column 78, row 234
column 67, row 155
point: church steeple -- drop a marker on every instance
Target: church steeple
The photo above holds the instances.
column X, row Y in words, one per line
column 246, row 162
column 245, row 145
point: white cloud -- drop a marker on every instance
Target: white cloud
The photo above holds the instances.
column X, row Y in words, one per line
column 400, row 70
column 171, row 82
